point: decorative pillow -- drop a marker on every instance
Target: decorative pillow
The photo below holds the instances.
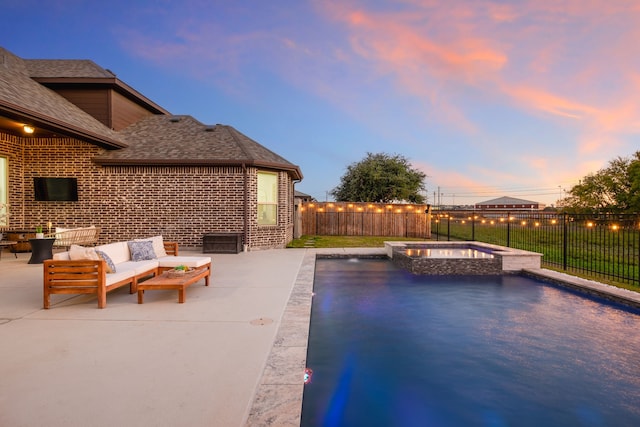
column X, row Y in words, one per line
column 111, row 267
column 77, row 253
column 141, row 251
column 158, row 245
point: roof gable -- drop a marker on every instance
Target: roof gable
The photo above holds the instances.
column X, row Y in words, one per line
column 504, row 200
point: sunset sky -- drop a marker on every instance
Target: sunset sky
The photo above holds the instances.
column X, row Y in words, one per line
column 488, row 98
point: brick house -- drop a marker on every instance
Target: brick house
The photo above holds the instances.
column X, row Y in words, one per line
column 139, row 170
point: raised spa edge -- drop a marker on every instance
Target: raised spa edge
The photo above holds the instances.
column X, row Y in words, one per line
column 504, row 259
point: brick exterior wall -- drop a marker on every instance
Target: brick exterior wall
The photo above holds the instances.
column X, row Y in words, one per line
column 182, row 203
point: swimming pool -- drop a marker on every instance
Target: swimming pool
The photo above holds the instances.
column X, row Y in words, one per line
column 390, row 348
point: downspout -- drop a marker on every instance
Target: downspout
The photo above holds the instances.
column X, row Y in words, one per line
column 296, row 213
column 246, row 208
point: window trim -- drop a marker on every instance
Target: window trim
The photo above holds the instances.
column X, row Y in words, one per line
column 271, row 204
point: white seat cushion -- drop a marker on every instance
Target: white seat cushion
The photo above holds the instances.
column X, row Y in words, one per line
column 77, row 252
column 62, row 256
column 137, row 267
column 118, row 252
column 189, row 261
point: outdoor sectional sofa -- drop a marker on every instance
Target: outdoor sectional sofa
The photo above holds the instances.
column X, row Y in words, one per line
column 100, row 269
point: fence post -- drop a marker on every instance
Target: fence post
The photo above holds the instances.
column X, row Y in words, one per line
column 473, row 225
column 508, row 229
column 448, row 228
column 427, row 222
column 564, row 241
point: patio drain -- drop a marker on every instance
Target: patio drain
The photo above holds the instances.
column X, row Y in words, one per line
column 261, row 321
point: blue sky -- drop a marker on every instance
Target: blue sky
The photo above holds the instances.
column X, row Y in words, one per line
column 517, row 98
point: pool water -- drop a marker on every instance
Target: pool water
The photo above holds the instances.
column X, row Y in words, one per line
column 388, row 348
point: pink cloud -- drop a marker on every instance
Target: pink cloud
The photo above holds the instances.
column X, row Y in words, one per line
column 399, row 41
column 397, row 45
column 571, row 63
column 542, row 100
column 562, row 59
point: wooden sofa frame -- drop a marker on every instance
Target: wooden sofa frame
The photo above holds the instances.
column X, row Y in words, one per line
column 89, row 277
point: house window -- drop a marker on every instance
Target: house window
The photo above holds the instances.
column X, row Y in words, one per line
column 267, row 198
column 4, row 191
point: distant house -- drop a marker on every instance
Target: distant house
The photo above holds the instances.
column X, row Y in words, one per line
column 140, row 171
column 303, row 197
column 509, row 203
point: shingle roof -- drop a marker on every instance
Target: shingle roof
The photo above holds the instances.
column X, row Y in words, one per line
column 507, row 201
column 182, row 140
column 66, row 68
column 22, row 97
column 157, row 140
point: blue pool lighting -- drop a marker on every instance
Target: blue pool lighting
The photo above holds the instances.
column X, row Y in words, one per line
column 392, row 348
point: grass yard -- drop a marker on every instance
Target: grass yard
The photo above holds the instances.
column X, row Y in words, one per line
column 378, row 242
column 345, row 241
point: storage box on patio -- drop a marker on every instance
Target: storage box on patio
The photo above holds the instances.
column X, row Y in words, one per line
column 222, row 243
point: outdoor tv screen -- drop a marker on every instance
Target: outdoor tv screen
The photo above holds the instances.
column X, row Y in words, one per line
column 55, row 189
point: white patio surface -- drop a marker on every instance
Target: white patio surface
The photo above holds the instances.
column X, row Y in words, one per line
column 161, row 363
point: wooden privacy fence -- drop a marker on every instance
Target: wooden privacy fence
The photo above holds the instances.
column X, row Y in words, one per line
column 365, row 219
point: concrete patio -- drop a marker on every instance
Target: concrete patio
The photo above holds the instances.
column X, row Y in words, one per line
column 201, row 363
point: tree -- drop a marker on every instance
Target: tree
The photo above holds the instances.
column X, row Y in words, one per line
column 613, row 189
column 381, row 178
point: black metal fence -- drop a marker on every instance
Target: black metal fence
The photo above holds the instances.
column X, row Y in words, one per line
column 603, row 245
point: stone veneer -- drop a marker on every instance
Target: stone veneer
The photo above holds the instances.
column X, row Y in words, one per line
column 504, row 259
column 448, row 266
column 180, row 202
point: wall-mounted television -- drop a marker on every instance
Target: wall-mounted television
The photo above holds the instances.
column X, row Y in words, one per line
column 55, row 189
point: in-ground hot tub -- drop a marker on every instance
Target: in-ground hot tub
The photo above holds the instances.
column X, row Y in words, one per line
column 459, row 258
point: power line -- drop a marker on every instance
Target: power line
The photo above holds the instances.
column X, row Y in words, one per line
column 473, row 194
column 480, row 191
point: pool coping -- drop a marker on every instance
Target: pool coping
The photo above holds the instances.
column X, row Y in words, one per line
column 589, row 287
column 278, row 397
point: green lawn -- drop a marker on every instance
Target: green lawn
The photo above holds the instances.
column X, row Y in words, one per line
column 345, row 241
column 378, row 242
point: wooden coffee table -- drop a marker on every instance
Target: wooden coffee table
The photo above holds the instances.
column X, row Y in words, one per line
column 163, row 281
